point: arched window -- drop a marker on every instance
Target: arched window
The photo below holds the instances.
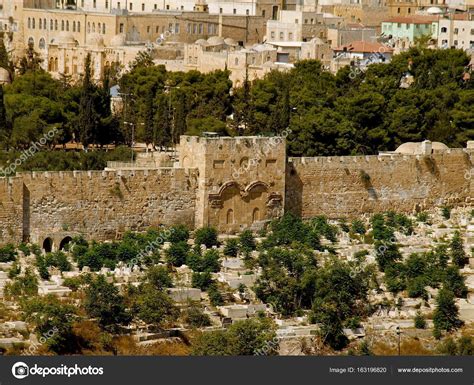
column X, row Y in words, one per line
column 56, row 66
column 40, row 23
column 88, row 27
column 48, row 245
column 103, row 28
column 55, row 25
column 93, row 27
column 236, row 61
column 256, row 214
column 230, row 217
column 62, row 25
column 42, row 43
column 31, row 41
column 45, row 25
column 29, row 22
column 78, row 26
column 51, row 24
column 33, row 23
column 67, row 25
column 51, row 64
column 98, row 27
column 73, row 26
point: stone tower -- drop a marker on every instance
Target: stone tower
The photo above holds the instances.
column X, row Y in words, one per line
column 241, row 180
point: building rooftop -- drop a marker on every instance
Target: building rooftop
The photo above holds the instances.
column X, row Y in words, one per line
column 412, row 19
column 364, row 47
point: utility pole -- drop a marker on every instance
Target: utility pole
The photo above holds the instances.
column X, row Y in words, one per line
column 399, row 338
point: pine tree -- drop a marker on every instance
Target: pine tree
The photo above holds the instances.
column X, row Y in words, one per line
column 458, row 255
column 87, row 115
column 446, row 314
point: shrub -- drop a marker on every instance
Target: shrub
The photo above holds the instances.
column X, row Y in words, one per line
column 358, row 227
column 247, row 241
column 422, row 217
column 177, row 253
column 420, row 322
column 206, row 236
column 201, row 280
column 231, row 248
column 195, row 317
column 179, row 233
column 8, row 253
column 446, row 212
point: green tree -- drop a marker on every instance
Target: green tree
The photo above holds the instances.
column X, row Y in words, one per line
column 446, row 314
column 458, row 255
column 103, row 301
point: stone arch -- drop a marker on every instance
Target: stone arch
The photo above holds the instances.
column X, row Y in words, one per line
column 48, row 244
column 64, row 242
column 186, row 162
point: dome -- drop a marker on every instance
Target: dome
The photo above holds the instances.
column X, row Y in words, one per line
column 201, row 42
column 65, row 38
column 434, row 10
column 118, row 40
column 215, row 40
column 412, row 148
column 231, row 42
column 95, row 40
column 4, row 76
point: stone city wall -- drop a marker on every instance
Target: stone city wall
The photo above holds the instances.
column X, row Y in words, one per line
column 353, row 185
column 99, row 204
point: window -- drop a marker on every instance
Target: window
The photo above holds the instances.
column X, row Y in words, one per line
column 272, row 34
column 194, row 28
column 230, row 217
column 471, row 44
column 201, row 29
column 182, row 8
column 398, row 10
column 143, row 7
column 55, row 25
column 155, row 6
column 93, row 27
column 167, row 6
column 62, row 25
column 220, row 10
column 29, row 22
column 121, row 28
column 40, row 24
column 78, row 26
column 42, row 44
column 290, row 36
column 263, row 13
column 176, row 28
column 235, row 11
column 94, row 4
column 73, row 26
column 67, row 25
column 106, row 4
column 455, row 42
column 444, row 30
column 472, row 31
column 130, row 6
column 236, row 61
column 51, row 24
column 296, row 21
column 188, row 28
column 33, row 23
column 409, row 10
column 281, row 35
column 456, row 31
column 247, row 12
column 118, row 5
column 31, row 41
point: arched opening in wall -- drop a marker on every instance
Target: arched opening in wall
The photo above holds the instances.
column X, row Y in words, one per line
column 255, row 215
column 230, row 217
column 64, row 244
column 48, row 245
